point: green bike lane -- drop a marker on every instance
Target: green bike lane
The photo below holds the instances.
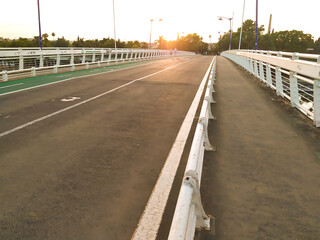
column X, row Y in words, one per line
column 32, row 82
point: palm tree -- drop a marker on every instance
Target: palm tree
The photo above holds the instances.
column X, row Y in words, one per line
column 53, row 35
column 161, row 42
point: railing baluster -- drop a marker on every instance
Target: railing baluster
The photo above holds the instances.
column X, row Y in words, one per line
column 316, row 102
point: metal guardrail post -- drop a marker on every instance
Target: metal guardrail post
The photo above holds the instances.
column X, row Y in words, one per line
column 99, row 64
column 135, row 56
column 279, row 87
column 41, row 61
column 269, row 77
column 33, row 72
column 251, row 66
column 303, row 73
column 87, row 65
column 189, row 213
column 316, row 102
column 294, row 90
column 122, row 56
column 72, row 58
column 110, row 55
column 55, row 69
column 4, row 76
column 248, row 66
column 102, row 56
column 256, row 73
column 83, row 56
column 58, row 58
column 93, row 56
column 21, row 60
column 261, row 72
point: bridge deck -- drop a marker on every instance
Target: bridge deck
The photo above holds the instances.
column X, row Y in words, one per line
column 263, row 181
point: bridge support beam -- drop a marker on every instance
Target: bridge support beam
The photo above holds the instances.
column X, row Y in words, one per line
column 316, row 102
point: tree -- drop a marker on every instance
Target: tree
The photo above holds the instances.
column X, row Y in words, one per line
column 53, row 35
column 292, row 41
column 62, row 42
column 161, row 42
column 317, row 46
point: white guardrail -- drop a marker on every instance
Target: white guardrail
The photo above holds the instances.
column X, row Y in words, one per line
column 189, row 214
column 29, row 62
column 294, row 76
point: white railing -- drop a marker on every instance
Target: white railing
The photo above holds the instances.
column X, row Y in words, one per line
column 29, row 62
column 189, row 214
column 294, row 76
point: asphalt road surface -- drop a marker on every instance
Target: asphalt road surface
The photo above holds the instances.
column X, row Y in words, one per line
column 79, row 158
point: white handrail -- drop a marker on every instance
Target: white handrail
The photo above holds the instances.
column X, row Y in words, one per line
column 189, row 214
column 15, row 63
column 292, row 78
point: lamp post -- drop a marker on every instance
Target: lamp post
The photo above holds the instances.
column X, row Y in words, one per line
column 39, row 24
column 114, row 26
column 230, row 19
column 256, row 42
column 244, row 3
column 151, row 20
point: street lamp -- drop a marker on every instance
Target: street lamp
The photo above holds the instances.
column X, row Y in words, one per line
column 114, row 26
column 256, row 42
column 151, row 20
column 244, row 3
column 230, row 19
column 39, row 25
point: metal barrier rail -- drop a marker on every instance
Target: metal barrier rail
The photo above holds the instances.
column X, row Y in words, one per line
column 294, row 76
column 189, row 214
column 28, row 62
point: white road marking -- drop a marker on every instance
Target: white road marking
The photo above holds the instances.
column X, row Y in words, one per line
column 85, row 101
column 89, row 75
column 69, row 99
column 152, row 215
column 12, row 85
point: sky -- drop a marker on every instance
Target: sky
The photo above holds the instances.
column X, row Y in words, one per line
column 93, row 19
